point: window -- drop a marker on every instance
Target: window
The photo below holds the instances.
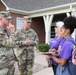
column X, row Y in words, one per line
column 52, row 30
column 19, row 23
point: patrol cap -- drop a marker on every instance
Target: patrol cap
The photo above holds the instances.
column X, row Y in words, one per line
column 5, row 14
column 27, row 19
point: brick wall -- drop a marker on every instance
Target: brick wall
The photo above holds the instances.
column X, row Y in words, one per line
column 2, row 7
column 38, row 26
column 14, row 15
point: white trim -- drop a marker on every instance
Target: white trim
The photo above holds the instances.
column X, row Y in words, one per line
column 68, row 14
column 70, row 7
column 46, row 9
column 17, row 11
column 56, row 10
column 47, row 22
column 74, row 32
column 55, row 7
column 49, row 12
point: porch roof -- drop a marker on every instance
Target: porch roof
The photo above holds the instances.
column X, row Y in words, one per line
column 34, row 5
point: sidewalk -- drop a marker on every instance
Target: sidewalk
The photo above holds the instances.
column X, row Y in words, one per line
column 40, row 65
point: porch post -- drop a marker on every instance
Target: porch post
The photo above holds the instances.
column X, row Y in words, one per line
column 47, row 21
column 73, row 13
column 68, row 14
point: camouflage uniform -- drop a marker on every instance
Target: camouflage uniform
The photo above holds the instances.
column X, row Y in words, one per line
column 25, row 54
column 6, row 56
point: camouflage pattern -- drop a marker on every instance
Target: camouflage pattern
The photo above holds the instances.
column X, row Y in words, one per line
column 5, row 14
column 25, row 54
column 6, row 56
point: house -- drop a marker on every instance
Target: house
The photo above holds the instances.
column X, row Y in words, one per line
column 44, row 14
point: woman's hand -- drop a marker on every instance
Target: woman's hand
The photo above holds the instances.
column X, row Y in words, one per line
column 54, row 51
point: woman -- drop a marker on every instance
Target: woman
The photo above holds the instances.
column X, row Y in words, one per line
column 67, row 48
column 56, row 43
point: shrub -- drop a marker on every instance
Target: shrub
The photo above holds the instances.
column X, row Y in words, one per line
column 43, row 47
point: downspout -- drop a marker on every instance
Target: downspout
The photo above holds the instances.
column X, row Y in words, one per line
column 71, row 10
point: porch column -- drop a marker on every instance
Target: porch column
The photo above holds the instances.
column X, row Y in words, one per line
column 73, row 13
column 47, row 21
column 68, row 14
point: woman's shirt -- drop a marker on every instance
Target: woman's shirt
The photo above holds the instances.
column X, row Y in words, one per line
column 56, row 42
column 66, row 51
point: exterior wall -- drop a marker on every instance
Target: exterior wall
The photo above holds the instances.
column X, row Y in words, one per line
column 38, row 26
column 14, row 15
column 2, row 7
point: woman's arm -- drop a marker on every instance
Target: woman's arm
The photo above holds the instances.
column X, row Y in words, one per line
column 60, row 61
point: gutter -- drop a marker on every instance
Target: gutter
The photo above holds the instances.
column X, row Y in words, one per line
column 17, row 11
column 70, row 5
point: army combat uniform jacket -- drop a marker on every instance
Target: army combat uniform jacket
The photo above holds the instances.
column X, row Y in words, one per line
column 24, row 54
column 6, row 56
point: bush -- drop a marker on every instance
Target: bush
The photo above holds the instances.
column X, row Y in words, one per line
column 43, row 47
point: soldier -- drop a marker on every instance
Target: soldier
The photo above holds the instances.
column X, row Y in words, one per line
column 23, row 42
column 6, row 55
column 25, row 52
